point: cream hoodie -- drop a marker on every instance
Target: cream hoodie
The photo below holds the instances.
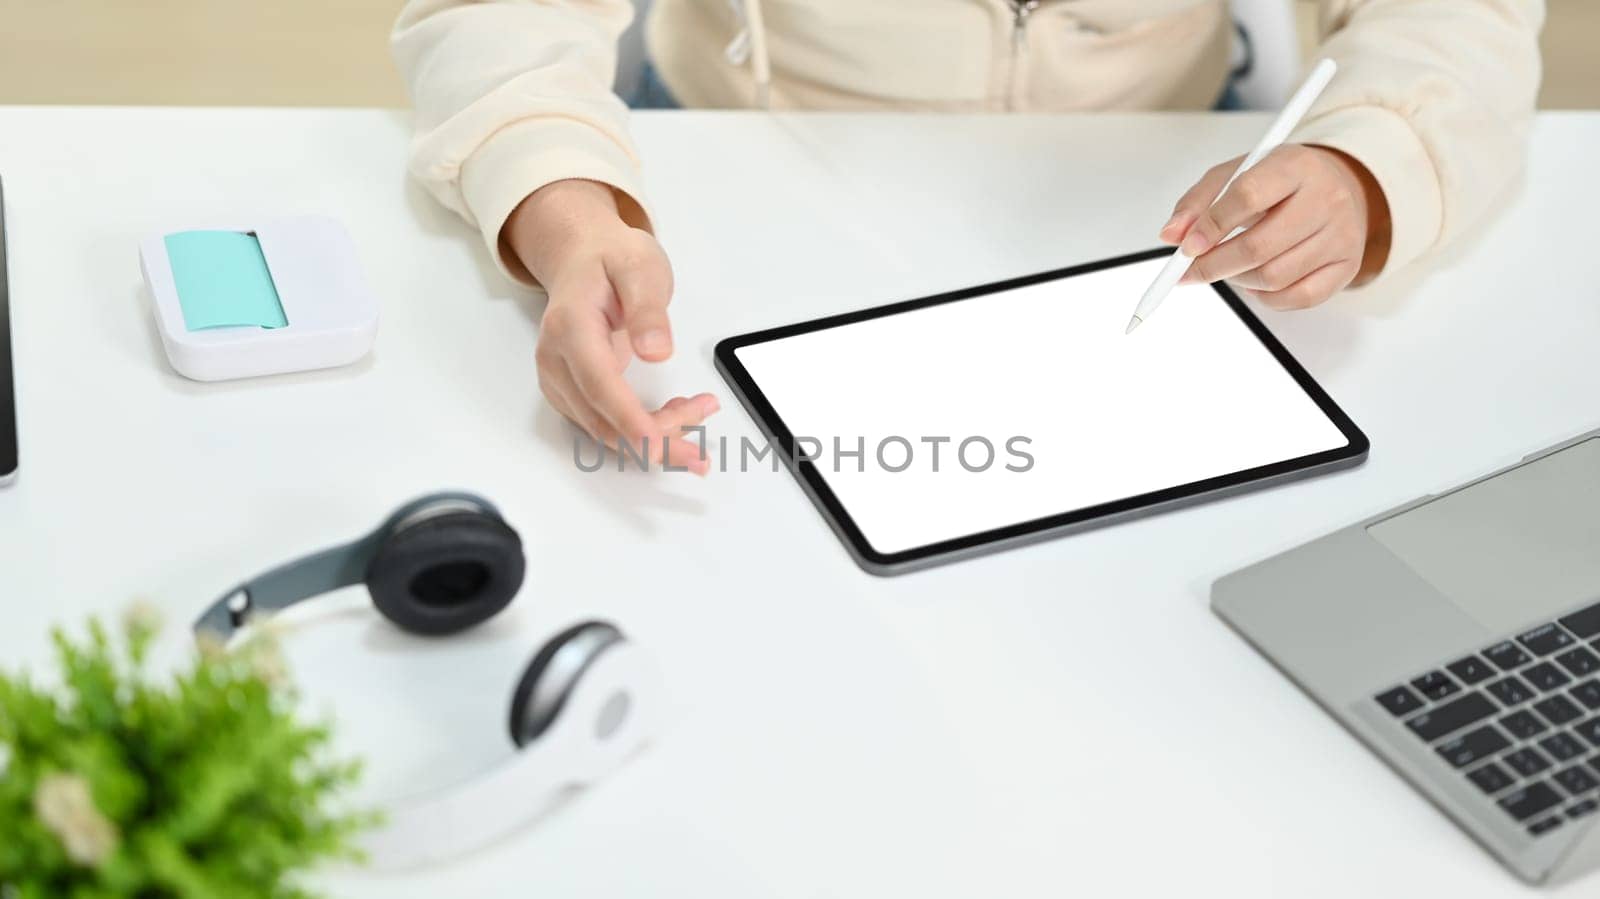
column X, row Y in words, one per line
column 1434, row 97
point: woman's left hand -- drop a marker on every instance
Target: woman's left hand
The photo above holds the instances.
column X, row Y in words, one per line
column 1315, row 221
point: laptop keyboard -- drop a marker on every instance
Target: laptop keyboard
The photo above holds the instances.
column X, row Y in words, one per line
column 1520, row 720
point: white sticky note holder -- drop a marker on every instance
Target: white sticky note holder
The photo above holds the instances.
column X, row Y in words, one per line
column 331, row 312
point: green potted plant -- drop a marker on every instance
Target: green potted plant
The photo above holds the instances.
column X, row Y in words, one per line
column 114, row 783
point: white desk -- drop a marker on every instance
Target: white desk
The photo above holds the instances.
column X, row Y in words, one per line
column 1067, row 719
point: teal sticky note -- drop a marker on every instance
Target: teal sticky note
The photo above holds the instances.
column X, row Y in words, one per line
column 223, row 280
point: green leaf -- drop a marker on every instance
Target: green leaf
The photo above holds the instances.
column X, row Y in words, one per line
column 209, row 782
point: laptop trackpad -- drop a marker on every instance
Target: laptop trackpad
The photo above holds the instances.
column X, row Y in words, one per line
column 1522, row 545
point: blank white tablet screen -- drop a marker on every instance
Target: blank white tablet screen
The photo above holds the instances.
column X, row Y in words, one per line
column 1190, row 395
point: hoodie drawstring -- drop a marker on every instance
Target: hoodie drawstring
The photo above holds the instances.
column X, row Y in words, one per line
column 750, row 45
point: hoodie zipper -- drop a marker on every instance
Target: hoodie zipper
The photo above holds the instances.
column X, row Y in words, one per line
column 1020, row 11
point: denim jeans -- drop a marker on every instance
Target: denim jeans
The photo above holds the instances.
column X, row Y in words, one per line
column 651, row 92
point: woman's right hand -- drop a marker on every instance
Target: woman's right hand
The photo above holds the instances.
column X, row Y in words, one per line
column 609, row 285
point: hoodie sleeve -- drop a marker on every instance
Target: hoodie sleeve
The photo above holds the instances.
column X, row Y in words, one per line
column 510, row 96
column 1435, row 98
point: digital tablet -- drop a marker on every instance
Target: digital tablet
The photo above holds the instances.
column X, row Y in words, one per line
column 8, row 394
column 935, row 429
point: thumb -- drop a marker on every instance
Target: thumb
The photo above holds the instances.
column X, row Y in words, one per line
column 643, row 283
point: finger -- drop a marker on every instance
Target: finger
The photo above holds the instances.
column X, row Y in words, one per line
column 680, row 453
column 601, row 384
column 683, row 454
column 1286, row 226
column 555, row 378
column 643, row 282
column 569, row 401
column 552, row 373
column 1313, row 288
column 1195, row 201
column 1287, row 268
column 680, row 413
column 676, row 418
column 1255, row 192
column 684, row 412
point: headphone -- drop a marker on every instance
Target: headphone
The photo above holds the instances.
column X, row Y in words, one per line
column 439, row 565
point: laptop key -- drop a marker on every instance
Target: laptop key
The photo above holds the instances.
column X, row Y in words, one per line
column 1491, row 778
column 1558, row 710
column 1472, row 746
column 1530, row 800
column 1526, row 762
column 1578, row 810
column 1584, row 622
column 1581, row 662
column 1435, row 685
column 1506, row 656
column 1545, row 826
column 1576, row 780
column 1451, row 717
column 1523, row 725
column 1542, row 641
column 1546, row 677
column 1588, row 693
column 1510, row 690
column 1562, row 747
column 1589, row 730
column 1470, row 670
column 1399, row 701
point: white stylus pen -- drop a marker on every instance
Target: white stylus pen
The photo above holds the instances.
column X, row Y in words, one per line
column 1286, row 121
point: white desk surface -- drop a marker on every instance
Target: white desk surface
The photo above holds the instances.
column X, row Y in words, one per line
column 1066, row 719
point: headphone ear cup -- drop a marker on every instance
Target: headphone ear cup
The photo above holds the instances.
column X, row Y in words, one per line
column 445, row 574
column 555, row 670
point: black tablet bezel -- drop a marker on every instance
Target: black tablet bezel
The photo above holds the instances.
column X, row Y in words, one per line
column 772, row 425
column 8, row 381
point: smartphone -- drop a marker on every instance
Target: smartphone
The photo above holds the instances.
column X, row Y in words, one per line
column 8, row 391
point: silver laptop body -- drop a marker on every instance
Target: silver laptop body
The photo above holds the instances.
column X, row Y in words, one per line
column 1456, row 636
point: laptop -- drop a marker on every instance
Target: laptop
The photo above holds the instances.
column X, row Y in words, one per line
column 1458, row 636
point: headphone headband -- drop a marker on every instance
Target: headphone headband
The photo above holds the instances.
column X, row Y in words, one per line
column 608, row 716
column 438, row 565
column 331, row 569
